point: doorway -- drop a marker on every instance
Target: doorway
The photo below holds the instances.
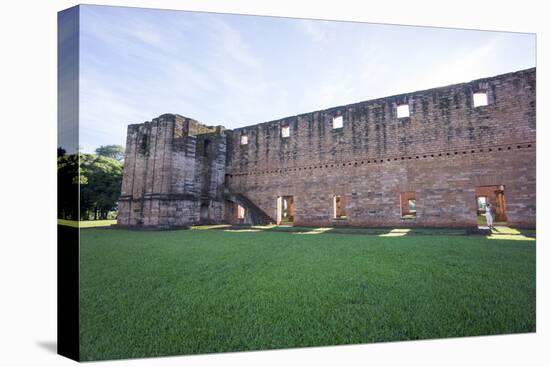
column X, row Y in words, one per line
column 494, row 196
column 285, row 210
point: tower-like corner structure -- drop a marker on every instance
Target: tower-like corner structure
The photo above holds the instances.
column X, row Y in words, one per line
column 174, row 172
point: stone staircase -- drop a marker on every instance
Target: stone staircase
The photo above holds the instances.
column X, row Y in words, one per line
column 254, row 215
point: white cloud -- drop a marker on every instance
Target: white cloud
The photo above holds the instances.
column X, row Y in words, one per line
column 151, row 76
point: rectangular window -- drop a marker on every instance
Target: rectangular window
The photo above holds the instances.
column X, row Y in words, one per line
column 408, row 205
column 285, row 131
column 339, row 207
column 480, row 99
column 337, row 122
column 240, row 212
column 403, row 111
column 244, row 139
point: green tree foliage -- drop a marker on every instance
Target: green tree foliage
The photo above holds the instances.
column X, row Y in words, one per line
column 61, row 152
column 111, row 151
column 100, row 180
column 100, row 190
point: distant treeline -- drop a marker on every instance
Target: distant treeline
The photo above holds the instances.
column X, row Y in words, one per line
column 99, row 176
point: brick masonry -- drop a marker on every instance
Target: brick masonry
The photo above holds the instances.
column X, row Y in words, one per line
column 442, row 152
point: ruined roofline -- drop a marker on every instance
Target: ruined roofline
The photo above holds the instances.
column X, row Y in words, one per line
column 173, row 116
column 329, row 109
column 394, row 96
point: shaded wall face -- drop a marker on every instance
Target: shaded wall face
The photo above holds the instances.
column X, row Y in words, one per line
column 210, row 174
column 440, row 119
column 147, row 165
column 210, row 164
column 164, row 178
column 442, row 152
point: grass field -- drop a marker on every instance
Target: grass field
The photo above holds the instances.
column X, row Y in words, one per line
column 198, row 291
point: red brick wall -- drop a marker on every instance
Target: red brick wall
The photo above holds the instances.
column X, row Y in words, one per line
column 442, row 152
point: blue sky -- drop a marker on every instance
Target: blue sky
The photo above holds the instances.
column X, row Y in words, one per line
column 234, row 70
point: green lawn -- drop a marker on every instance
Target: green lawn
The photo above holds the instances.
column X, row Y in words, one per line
column 199, row 291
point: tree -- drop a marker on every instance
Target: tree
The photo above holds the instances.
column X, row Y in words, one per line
column 99, row 179
column 111, row 151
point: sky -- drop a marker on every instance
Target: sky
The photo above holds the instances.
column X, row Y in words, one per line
column 237, row 70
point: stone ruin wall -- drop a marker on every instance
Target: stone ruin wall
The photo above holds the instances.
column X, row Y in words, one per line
column 442, row 152
column 179, row 172
column 168, row 177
